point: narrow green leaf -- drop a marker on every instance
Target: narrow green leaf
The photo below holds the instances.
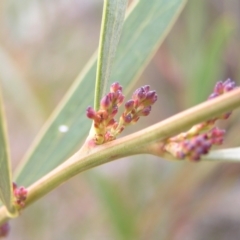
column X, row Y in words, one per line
column 143, row 32
column 224, row 155
column 112, row 22
column 5, row 170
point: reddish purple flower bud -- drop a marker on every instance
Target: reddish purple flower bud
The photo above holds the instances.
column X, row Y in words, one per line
column 129, row 105
column 218, row 88
column 228, row 85
column 216, row 136
column 127, row 119
column 111, row 122
column 114, row 111
column 20, row 194
column 14, row 186
column 115, row 87
column 90, row 112
column 4, row 229
column 135, row 119
column 226, row 115
column 213, row 95
column 151, row 97
column 146, row 88
column 145, row 111
column 194, row 148
column 222, row 87
column 111, row 96
column 119, row 99
column 105, row 102
column 139, row 94
column 216, row 132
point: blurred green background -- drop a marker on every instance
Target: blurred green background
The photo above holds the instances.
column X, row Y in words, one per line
column 44, row 45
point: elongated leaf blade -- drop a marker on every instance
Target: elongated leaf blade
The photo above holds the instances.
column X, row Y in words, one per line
column 112, row 22
column 11, row 76
column 6, row 196
column 225, row 155
column 143, row 32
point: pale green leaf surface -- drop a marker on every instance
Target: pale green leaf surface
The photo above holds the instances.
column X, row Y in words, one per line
column 226, row 155
column 5, row 169
column 11, row 75
column 143, row 31
column 112, row 23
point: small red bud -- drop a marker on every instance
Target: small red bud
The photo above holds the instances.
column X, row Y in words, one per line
column 111, row 96
column 115, row 87
column 127, row 119
column 4, row 229
column 120, row 99
column 105, row 102
column 146, row 88
column 20, row 195
column 114, row 111
column 135, row 119
column 129, row 105
column 145, row 111
column 218, row 88
column 111, row 122
column 151, row 97
column 222, row 87
column 228, row 85
column 213, row 95
column 90, row 112
column 139, row 94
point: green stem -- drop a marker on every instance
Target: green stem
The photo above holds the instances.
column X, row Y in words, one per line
column 4, row 215
column 131, row 144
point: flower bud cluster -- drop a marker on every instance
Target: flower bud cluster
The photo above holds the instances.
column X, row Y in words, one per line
column 4, row 229
column 106, row 127
column 222, row 87
column 219, row 89
column 201, row 137
column 20, row 194
column 193, row 148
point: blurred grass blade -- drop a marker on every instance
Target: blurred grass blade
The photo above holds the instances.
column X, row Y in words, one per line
column 225, row 155
column 6, row 196
column 208, row 66
column 112, row 22
column 143, row 32
column 121, row 215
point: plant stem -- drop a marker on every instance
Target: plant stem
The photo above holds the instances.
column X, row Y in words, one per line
column 4, row 217
column 131, row 144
